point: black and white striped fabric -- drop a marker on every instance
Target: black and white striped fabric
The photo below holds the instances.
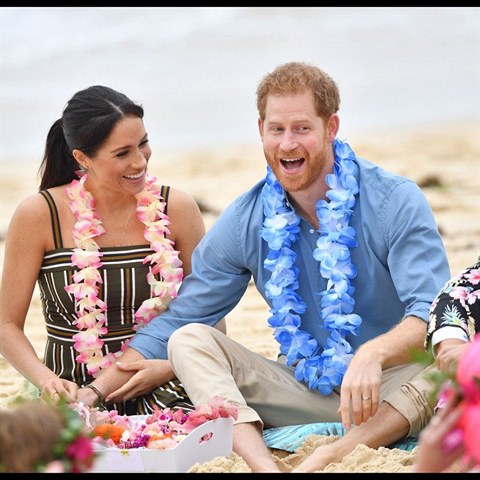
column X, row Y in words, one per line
column 124, row 287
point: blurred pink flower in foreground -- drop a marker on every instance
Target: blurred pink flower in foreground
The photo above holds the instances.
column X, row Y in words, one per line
column 470, row 424
column 466, row 387
column 468, row 372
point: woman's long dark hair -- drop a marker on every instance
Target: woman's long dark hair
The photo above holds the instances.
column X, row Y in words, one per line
column 87, row 120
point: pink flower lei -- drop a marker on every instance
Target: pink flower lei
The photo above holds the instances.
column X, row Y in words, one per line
column 164, row 263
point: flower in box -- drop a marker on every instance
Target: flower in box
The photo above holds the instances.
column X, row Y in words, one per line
column 163, row 429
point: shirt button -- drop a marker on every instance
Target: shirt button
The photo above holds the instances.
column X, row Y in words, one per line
column 312, row 230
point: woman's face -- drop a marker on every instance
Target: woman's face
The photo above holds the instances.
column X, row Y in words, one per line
column 121, row 163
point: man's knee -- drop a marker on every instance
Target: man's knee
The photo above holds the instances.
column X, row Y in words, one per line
column 186, row 335
column 414, row 400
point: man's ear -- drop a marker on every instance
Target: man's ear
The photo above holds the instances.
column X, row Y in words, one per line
column 333, row 124
column 260, row 128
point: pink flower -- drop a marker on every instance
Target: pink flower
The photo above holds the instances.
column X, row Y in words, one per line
column 225, row 409
column 165, row 428
column 446, row 393
column 470, row 423
column 89, row 275
column 459, row 293
column 56, row 466
column 150, row 308
column 473, row 276
column 81, row 454
column 89, row 337
column 84, row 258
column 90, row 319
column 473, row 297
column 453, row 439
column 217, row 407
column 87, row 258
column 468, row 371
column 83, row 290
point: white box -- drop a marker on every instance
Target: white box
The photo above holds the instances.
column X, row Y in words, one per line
column 192, row 449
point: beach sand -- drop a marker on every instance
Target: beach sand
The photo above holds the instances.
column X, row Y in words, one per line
column 443, row 159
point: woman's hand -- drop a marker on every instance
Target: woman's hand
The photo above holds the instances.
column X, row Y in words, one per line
column 56, row 388
column 88, row 397
column 448, row 352
column 149, row 375
column 431, row 454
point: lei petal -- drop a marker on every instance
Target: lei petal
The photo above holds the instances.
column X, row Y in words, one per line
column 164, row 277
column 321, row 370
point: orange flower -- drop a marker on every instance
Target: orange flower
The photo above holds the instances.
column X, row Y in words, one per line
column 107, row 430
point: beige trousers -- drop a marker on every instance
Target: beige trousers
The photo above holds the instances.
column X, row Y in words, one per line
column 210, row 363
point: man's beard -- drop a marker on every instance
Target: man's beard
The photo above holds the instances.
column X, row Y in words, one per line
column 314, row 167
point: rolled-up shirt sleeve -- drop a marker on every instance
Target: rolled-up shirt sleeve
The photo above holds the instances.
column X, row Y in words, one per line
column 416, row 257
column 455, row 312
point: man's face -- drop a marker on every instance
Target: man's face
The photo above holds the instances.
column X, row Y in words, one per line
column 294, row 140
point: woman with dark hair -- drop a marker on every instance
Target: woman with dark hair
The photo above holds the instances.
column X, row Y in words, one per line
column 109, row 246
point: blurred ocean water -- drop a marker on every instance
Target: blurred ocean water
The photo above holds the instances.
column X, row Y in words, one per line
column 195, row 69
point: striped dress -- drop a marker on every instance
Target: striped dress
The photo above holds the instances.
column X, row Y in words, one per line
column 124, row 288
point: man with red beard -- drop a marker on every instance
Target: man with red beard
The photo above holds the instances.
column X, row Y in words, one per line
column 347, row 256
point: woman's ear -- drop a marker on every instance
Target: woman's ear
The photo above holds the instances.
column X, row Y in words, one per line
column 81, row 158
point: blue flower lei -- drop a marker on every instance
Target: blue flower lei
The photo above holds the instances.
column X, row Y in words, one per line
column 323, row 370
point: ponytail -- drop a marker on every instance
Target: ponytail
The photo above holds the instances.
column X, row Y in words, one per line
column 88, row 119
column 58, row 164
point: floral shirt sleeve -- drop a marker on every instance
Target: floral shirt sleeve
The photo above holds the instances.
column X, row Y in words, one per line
column 457, row 304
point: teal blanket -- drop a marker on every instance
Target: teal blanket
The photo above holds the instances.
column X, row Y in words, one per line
column 291, row 437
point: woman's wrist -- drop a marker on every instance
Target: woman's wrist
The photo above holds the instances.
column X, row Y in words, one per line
column 100, row 400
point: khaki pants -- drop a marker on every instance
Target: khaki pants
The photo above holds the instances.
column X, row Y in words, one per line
column 210, row 363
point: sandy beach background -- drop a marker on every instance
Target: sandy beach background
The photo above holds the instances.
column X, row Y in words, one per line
column 444, row 159
column 409, row 82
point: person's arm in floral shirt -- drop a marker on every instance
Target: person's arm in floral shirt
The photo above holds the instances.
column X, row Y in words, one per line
column 454, row 317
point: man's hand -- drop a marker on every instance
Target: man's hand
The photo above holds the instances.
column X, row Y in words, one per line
column 360, row 390
column 148, row 375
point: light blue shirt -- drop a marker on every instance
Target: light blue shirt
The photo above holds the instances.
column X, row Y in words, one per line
column 400, row 259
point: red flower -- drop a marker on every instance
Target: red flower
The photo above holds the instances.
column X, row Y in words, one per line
column 81, row 454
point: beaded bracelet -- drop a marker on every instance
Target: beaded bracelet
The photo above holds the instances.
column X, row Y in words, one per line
column 97, row 392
